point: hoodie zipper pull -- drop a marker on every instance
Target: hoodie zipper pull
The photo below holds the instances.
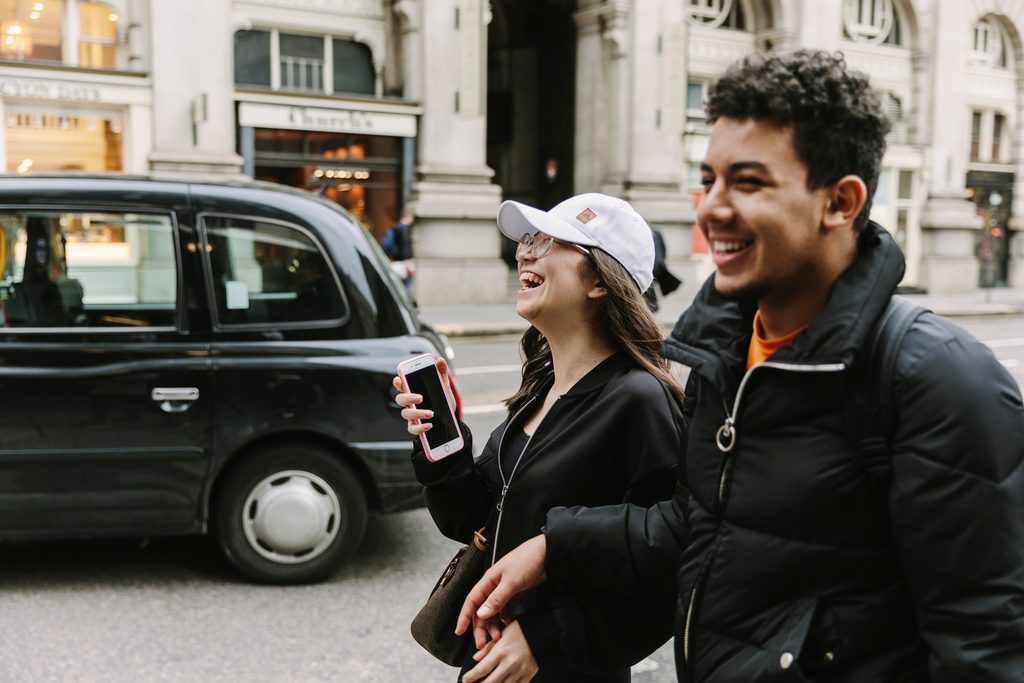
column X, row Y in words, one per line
column 504, row 490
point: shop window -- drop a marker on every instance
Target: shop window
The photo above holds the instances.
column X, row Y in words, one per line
column 696, row 94
column 353, row 68
column 97, row 40
column 894, row 204
column 268, row 274
column 872, row 22
column 359, row 172
column 31, row 30
column 63, row 140
column 252, row 58
column 302, row 63
column 998, row 129
column 975, row 136
column 718, row 14
column 96, row 270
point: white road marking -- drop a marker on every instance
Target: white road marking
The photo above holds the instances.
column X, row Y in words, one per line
column 1011, row 363
column 1004, row 343
column 487, row 369
column 484, row 409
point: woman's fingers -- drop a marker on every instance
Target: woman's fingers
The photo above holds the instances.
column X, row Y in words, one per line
column 416, row 414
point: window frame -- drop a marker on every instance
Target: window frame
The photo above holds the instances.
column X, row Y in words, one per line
column 217, row 326
column 95, row 40
column 326, row 72
column 179, row 325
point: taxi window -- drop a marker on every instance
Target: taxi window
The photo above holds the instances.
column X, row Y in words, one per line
column 87, row 270
column 270, row 274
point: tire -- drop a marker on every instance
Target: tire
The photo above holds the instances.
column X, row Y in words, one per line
column 290, row 514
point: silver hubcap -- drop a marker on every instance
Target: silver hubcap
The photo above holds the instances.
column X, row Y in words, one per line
column 291, row 517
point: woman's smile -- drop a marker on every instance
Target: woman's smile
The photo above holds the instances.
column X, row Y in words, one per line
column 530, row 280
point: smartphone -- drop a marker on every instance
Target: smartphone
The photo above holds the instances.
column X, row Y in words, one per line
column 420, row 376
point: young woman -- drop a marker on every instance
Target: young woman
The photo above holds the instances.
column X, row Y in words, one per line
column 596, row 421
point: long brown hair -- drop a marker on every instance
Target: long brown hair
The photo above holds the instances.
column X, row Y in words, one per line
column 622, row 318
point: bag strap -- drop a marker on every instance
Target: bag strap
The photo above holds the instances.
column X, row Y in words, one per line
column 873, row 402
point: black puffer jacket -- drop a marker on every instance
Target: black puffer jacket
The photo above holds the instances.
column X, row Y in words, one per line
column 612, row 438
column 796, row 563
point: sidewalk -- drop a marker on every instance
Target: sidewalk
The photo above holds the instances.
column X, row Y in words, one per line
column 499, row 319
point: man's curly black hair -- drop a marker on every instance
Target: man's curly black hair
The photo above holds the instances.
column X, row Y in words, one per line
column 839, row 127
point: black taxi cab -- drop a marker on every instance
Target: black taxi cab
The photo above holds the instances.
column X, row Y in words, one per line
column 190, row 357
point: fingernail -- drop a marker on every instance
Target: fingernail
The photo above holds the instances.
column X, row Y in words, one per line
column 484, row 612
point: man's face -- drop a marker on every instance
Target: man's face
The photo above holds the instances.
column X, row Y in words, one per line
column 762, row 224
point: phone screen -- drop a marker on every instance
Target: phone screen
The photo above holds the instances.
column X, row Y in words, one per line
column 427, row 383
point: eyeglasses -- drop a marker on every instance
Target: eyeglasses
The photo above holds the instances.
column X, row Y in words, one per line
column 540, row 245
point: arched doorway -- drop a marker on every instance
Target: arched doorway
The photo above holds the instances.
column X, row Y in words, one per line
column 531, row 85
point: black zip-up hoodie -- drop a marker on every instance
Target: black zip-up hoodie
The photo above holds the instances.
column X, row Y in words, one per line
column 794, row 563
column 612, row 438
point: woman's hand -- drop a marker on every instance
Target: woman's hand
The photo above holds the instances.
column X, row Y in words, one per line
column 408, row 401
column 506, row 660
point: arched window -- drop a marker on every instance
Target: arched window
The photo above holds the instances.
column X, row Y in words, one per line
column 990, row 45
column 872, row 22
column 97, row 39
column 718, row 14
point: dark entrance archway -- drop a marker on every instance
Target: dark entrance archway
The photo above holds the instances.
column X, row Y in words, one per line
column 531, row 88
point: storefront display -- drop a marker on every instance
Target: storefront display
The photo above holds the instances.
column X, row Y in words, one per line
column 358, row 158
column 41, row 138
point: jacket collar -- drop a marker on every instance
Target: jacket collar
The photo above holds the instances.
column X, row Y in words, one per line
column 595, row 378
column 713, row 335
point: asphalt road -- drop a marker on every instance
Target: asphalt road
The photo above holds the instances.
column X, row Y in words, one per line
column 172, row 610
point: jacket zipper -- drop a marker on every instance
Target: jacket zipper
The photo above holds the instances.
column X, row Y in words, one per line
column 725, row 439
column 505, row 483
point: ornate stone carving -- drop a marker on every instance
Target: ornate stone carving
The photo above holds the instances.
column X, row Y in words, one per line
column 407, row 13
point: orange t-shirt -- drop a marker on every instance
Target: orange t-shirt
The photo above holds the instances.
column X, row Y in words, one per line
column 761, row 348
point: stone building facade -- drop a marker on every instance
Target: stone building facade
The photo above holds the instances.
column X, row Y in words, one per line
column 446, row 107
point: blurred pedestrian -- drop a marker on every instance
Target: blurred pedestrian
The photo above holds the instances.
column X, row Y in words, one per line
column 809, row 542
column 397, row 244
column 595, row 421
column 663, row 277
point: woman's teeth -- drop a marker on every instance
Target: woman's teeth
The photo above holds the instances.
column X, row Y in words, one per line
column 530, row 280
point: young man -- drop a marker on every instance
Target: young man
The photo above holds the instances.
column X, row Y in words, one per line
column 794, row 561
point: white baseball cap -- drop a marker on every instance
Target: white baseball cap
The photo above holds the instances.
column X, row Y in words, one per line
column 590, row 220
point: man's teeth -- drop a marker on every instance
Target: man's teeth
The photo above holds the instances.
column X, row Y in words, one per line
column 530, row 280
column 729, row 247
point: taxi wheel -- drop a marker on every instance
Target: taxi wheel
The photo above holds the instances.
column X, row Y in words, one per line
column 290, row 514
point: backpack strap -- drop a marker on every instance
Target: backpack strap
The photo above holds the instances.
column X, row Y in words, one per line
column 873, row 421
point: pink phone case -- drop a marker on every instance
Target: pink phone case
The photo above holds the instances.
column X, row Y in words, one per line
column 423, row 437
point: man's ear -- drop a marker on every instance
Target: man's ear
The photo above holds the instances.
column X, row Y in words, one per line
column 845, row 200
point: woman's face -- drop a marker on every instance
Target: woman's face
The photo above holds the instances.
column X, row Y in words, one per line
column 553, row 291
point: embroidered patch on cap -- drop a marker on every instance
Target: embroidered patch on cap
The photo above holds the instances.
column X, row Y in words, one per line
column 586, row 216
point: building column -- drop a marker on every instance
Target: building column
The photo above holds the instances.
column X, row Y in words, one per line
column 949, row 221
column 617, row 42
column 656, row 97
column 457, row 243
column 591, row 140
column 187, row 136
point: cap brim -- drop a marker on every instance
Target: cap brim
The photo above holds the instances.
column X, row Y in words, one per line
column 516, row 219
